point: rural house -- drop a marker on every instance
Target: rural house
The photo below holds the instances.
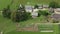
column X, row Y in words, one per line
column 34, row 13
column 56, row 15
column 57, row 11
column 28, row 8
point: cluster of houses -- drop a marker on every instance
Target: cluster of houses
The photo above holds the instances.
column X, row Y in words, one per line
column 34, row 13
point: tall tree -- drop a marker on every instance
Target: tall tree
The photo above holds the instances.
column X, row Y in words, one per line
column 21, row 15
column 36, row 6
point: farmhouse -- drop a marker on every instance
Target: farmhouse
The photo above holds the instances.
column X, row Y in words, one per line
column 57, row 11
column 28, row 8
column 56, row 14
column 34, row 13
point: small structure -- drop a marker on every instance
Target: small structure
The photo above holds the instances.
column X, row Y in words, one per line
column 28, row 8
column 34, row 13
column 45, row 6
column 57, row 11
column 40, row 6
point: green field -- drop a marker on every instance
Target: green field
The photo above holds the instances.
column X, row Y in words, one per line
column 28, row 33
column 15, row 4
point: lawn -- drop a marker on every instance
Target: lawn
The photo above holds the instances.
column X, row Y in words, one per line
column 6, row 25
column 28, row 33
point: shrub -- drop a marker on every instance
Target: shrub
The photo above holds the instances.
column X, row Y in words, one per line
column 36, row 6
column 54, row 4
column 20, row 15
column 6, row 12
column 44, row 13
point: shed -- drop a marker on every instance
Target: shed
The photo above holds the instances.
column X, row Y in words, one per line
column 45, row 6
column 57, row 10
column 28, row 8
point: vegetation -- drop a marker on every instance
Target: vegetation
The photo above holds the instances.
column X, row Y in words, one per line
column 36, row 6
column 7, row 12
column 20, row 15
column 55, row 21
column 15, row 4
column 44, row 13
column 14, row 32
column 54, row 4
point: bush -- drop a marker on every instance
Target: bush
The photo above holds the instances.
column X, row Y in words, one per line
column 36, row 6
column 54, row 4
column 20, row 15
column 55, row 21
column 6, row 12
column 44, row 13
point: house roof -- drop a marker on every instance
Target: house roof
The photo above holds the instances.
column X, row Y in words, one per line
column 45, row 5
column 56, row 16
column 28, row 7
column 57, row 9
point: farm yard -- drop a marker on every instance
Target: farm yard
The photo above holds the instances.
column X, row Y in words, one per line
column 28, row 26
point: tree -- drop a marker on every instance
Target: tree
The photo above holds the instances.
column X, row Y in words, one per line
column 20, row 15
column 54, row 4
column 6, row 12
column 44, row 13
column 36, row 6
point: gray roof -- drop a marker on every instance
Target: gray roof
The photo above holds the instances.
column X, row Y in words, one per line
column 56, row 16
column 57, row 9
column 45, row 5
column 28, row 7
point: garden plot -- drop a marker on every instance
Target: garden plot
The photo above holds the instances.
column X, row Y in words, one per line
column 46, row 28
